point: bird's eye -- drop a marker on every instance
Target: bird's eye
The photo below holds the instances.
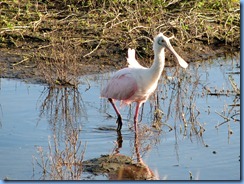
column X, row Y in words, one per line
column 161, row 41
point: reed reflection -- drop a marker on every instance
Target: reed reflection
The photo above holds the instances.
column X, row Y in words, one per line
column 64, row 109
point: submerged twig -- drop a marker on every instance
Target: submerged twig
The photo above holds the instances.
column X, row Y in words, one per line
column 234, row 85
column 226, row 118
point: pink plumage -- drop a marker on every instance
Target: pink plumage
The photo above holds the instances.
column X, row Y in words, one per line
column 136, row 83
column 122, row 86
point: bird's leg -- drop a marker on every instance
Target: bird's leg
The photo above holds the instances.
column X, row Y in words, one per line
column 138, row 105
column 142, row 111
column 119, row 119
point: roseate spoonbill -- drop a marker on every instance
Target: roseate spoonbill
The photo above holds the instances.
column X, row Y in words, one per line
column 136, row 83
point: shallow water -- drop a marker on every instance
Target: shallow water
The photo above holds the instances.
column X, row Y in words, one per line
column 189, row 140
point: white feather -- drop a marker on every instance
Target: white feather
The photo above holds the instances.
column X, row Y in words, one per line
column 131, row 60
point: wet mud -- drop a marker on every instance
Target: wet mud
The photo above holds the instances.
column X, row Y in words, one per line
column 118, row 167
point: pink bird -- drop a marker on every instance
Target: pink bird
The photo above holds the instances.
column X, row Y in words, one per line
column 136, row 83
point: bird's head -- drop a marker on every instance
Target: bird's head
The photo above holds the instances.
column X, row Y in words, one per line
column 161, row 41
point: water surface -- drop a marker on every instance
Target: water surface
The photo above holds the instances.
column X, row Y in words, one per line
column 190, row 127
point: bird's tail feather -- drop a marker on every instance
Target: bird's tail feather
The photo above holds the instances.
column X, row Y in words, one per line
column 131, row 60
column 131, row 54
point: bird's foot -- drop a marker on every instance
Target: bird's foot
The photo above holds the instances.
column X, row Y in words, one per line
column 119, row 122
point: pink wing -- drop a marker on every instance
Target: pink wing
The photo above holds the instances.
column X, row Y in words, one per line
column 121, row 86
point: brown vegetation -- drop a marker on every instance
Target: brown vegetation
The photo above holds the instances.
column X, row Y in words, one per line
column 79, row 37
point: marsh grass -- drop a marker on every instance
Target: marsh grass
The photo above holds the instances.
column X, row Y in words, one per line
column 60, row 64
column 89, row 32
column 183, row 88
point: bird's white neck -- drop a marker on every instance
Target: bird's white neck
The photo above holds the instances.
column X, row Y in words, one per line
column 158, row 64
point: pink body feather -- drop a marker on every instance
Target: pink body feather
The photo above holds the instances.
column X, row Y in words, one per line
column 122, row 86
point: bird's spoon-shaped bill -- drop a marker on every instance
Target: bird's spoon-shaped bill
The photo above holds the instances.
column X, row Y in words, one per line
column 181, row 61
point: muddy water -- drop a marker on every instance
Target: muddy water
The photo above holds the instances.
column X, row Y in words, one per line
column 189, row 129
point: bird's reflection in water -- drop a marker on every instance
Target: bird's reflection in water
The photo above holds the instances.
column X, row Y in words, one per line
column 119, row 142
column 138, row 170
